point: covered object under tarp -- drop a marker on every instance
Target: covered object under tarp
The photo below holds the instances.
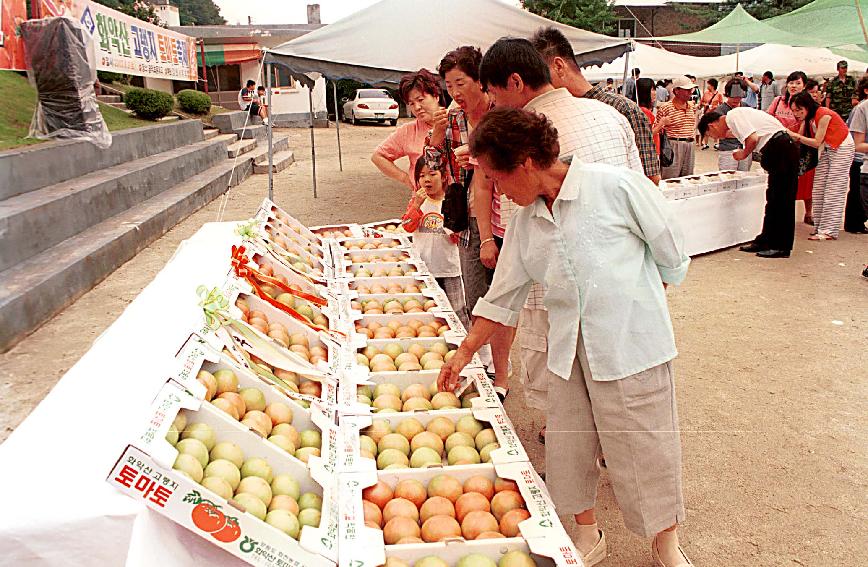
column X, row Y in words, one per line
column 393, row 37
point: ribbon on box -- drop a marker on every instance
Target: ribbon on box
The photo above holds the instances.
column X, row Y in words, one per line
column 214, row 307
column 249, row 232
column 241, row 266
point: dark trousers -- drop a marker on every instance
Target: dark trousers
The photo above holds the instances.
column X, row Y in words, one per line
column 780, row 159
column 856, row 210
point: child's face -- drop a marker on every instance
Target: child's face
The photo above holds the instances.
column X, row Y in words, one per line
column 431, row 181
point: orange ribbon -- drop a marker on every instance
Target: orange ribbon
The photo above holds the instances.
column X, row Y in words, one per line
column 244, row 271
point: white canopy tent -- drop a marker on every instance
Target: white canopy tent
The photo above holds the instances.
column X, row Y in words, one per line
column 656, row 63
column 381, row 43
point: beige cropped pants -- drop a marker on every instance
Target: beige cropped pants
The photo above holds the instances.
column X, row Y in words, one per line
column 635, row 422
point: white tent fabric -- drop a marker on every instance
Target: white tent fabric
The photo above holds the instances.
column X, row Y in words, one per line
column 781, row 60
column 393, row 37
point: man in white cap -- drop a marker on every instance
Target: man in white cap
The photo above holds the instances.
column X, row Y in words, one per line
column 680, row 127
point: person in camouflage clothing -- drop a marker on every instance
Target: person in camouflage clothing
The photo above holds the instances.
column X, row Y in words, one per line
column 841, row 91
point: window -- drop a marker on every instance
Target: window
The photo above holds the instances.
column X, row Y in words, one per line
column 371, row 93
column 627, row 27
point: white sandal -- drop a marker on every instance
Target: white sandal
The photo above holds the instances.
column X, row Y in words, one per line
column 659, row 562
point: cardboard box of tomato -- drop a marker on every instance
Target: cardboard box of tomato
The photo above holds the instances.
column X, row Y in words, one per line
column 151, row 469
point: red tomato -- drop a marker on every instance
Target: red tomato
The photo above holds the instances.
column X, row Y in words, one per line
column 230, row 532
column 208, row 518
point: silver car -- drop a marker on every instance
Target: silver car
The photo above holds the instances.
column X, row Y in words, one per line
column 371, row 104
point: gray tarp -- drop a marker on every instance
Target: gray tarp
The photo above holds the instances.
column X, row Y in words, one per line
column 393, row 37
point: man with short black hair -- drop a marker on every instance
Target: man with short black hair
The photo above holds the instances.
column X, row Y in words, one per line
column 769, row 89
column 760, row 131
column 565, row 72
column 246, row 97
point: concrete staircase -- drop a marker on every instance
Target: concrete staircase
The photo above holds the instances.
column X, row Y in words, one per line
column 70, row 214
column 253, row 139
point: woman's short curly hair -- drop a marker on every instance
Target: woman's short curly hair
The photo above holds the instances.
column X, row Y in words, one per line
column 508, row 136
column 862, row 87
column 424, row 80
column 465, row 58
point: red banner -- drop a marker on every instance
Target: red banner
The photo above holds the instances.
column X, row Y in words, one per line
column 12, row 13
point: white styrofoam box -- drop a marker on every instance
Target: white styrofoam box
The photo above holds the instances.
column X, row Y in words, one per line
column 337, row 232
column 259, row 255
column 378, row 256
column 393, row 242
column 543, row 532
column 385, row 229
column 448, row 318
column 144, row 471
column 296, row 258
column 412, row 267
column 474, row 379
column 269, row 208
column 510, row 449
column 371, row 285
column 453, row 551
column 441, row 302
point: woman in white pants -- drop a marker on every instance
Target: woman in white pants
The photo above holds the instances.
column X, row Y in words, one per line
column 602, row 240
column 828, row 132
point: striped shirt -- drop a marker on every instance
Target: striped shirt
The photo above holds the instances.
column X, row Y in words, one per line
column 682, row 122
column 591, row 131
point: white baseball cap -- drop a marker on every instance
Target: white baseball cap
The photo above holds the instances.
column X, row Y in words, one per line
column 683, row 83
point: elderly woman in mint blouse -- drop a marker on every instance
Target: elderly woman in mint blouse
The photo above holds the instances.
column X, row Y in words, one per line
column 601, row 238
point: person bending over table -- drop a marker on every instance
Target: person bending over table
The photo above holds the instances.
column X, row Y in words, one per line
column 761, row 132
column 602, row 239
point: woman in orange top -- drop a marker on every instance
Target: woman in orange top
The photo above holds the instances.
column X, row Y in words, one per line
column 830, row 134
column 780, row 109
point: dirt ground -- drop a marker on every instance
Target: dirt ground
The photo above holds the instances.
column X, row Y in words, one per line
column 772, row 374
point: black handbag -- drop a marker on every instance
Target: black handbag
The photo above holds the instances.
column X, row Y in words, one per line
column 667, row 154
column 455, row 210
column 808, row 157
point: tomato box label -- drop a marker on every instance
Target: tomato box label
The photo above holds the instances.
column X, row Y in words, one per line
column 360, row 546
column 193, row 507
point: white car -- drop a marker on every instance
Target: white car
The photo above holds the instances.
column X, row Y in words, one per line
column 371, row 104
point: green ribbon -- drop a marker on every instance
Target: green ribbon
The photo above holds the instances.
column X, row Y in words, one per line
column 247, row 230
column 214, row 305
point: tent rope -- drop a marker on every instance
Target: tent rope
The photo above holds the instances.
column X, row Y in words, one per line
column 221, row 210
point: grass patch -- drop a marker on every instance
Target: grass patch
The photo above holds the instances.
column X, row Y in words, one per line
column 16, row 113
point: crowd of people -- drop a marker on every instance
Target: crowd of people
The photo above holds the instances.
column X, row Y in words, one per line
column 545, row 187
column 534, row 200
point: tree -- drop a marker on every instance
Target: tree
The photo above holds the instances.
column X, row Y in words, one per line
column 592, row 15
column 759, row 9
column 198, row 12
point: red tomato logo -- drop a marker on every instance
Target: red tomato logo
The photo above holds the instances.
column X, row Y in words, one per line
column 207, row 517
column 229, row 533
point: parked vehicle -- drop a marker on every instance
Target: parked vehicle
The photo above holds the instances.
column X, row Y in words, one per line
column 371, row 104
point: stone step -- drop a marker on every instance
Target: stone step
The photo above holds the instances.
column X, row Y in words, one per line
column 281, row 161
column 35, row 290
column 34, row 167
column 108, row 99
column 251, row 131
column 40, row 219
column 120, row 105
column 169, row 118
column 228, row 122
column 260, row 154
column 241, row 147
column 210, row 133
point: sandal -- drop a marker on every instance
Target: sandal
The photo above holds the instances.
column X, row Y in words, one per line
column 659, row 562
column 502, row 393
column 822, row 236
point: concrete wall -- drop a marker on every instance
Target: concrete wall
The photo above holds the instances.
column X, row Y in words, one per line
column 38, row 166
column 286, row 100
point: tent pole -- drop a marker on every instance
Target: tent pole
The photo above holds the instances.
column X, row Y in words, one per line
column 269, row 126
column 312, row 146
column 737, row 52
column 861, row 20
column 626, row 69
column 338, row 124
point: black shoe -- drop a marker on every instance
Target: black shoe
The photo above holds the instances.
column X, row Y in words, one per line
column 773, row 253
column 865, row 272
column 862, row 230
column 752, row 247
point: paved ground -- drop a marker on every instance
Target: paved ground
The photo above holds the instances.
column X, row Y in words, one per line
column 771, row 377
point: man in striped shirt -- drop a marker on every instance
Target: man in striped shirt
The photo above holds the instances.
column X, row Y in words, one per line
column 565, row 71
column 680, row 128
